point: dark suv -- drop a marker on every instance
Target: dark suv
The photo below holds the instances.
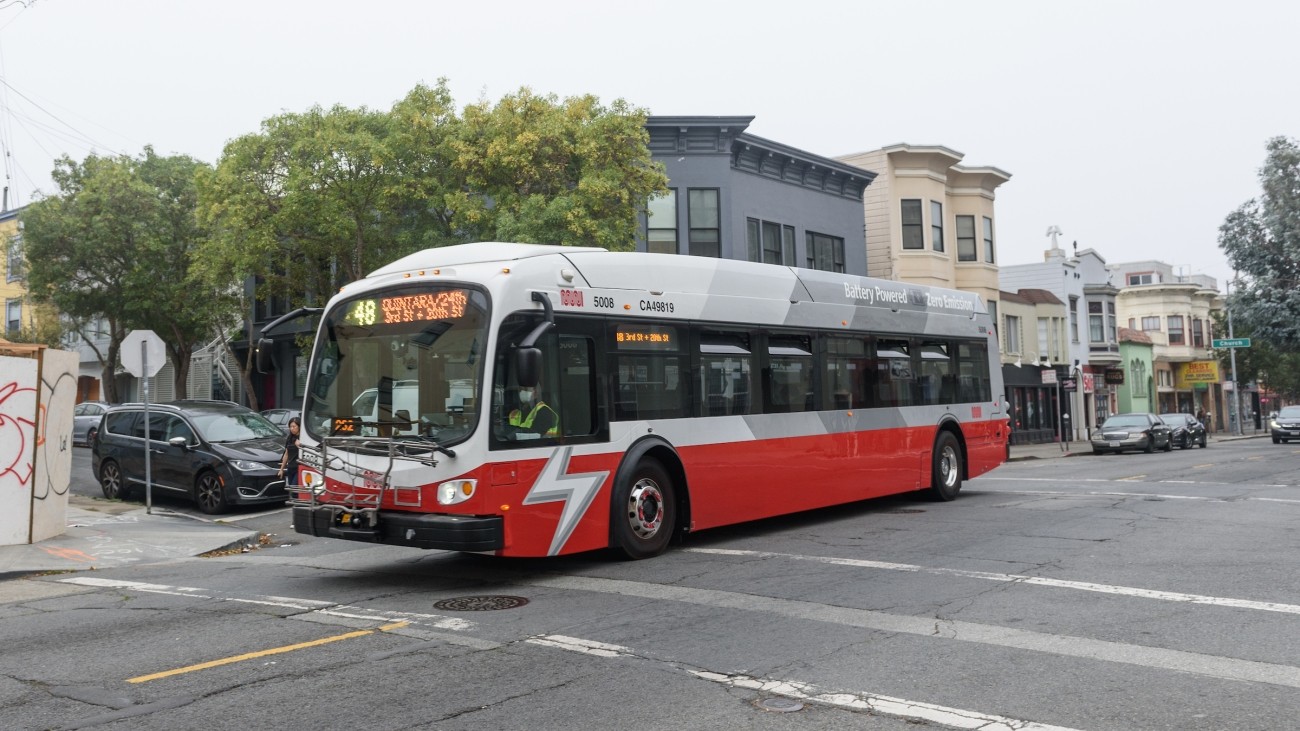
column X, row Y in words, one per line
column 216, row 452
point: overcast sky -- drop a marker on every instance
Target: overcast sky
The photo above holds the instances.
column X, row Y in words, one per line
column 1133, row 126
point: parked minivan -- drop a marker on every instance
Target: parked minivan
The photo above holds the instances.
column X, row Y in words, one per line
column 217, row 453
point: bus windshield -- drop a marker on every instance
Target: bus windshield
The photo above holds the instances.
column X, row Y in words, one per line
column 403, row 362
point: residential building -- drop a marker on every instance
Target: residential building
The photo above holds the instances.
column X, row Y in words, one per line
column 19, row 315
column 930, row 220
column 1033, row 344
column 1174, row 311
column 734, row 195
column 1136, row 392
column 1100, row 320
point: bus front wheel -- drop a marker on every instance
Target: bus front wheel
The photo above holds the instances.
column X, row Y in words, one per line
column 644, row 512
column 945, row 477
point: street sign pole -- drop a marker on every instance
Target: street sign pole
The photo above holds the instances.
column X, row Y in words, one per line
column 1232, row 354
column 148, row 448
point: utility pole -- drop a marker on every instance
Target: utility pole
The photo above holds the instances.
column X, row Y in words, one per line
column 1232, row 354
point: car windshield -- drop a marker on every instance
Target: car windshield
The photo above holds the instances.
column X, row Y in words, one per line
column 1290, row 412
column 403, row 362
column 235, row 426
column 1126, row 420
column 1175, row 419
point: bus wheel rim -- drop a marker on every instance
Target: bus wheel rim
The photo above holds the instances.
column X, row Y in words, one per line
column 645, row 514
column 948, row 466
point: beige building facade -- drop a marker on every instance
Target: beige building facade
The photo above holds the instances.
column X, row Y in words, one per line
column 929, row 219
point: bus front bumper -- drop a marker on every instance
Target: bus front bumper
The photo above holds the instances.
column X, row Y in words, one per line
column 417, row 530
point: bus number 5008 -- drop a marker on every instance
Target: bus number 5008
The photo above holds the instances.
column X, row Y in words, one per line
column 605, row 302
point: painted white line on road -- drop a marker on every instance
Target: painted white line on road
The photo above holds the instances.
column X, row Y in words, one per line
column 954, row 630
column 312, row 606
column 576, row 644
column 899, row 707
column 1168, row 596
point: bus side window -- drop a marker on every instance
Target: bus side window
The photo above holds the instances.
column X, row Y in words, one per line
column 789, row 374
column 846, row 376
column 576, row 403
column 894, row 375
column 725, row 383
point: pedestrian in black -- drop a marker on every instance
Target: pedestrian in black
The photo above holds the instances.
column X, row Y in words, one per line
column 289, row 462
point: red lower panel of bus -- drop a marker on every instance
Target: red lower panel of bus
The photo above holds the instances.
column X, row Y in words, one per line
column 729, row 483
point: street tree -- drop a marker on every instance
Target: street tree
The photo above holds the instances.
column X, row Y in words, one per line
column 1262, row 241
column 113, row 249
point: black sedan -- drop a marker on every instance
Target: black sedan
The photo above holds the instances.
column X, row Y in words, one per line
column 1187, row 431
column 1132, row 431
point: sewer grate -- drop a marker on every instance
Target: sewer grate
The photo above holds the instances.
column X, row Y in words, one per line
column 479, row 603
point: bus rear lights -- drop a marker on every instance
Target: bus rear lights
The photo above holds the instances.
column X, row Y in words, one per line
column 455, row 491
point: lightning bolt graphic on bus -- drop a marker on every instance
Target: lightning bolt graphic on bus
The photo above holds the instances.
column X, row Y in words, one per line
column 577, row 491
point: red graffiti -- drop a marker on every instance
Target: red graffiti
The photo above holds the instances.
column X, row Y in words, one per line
column 17, row 407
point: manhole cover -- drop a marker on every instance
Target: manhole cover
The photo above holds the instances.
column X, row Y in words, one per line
column 780, row 705
column 479, row 603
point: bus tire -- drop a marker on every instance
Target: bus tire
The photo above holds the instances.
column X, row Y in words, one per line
column 644, row 511
column 946, row 469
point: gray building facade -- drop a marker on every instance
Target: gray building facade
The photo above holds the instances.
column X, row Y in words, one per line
column 734, row 195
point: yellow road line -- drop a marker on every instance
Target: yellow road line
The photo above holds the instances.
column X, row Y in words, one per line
column 1199, row 466
column 263, row 653
column 1130, row 479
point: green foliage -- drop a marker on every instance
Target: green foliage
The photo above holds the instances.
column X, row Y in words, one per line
column 1262, row 242
column 321, row 198
column 118, row 241
column 1276, row 369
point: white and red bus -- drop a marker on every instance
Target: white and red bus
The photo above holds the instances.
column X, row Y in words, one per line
column 689, row 392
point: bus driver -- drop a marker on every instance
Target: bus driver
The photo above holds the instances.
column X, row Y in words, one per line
column 541, row 419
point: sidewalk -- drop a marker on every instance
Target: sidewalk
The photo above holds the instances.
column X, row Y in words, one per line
column 1056, row 450
column 105, row 534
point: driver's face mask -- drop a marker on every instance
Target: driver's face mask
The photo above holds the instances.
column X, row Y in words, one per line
column 526, row 396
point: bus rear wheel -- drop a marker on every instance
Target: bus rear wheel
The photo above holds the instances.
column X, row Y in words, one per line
column 644, row 512
column 945, row 473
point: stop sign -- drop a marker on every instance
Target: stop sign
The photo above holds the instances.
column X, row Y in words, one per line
column 141, row 346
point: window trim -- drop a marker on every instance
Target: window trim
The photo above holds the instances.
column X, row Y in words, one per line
column 676, row 203
column 917, row 227
column 692, row 229
column 963, row 241
column 936, row 226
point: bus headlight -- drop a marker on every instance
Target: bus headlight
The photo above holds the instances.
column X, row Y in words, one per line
column 313, row 481
column 455, row 491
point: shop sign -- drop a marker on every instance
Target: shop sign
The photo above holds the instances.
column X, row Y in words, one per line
column 1049, row 376
column 1070, row 385
column 1198, row 371
column 1115, row 376
column 1089, row 383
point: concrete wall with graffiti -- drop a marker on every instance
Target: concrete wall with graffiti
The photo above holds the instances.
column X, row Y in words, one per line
column 36, row 398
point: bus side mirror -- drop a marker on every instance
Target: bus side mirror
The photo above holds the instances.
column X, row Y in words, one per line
column 528, row 366
column 265, row 363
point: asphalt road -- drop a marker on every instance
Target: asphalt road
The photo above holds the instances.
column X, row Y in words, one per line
column 1126, row 592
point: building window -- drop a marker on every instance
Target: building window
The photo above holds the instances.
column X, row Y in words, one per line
column 13, row 316
column 1198, row 333
column 825, row 252
column 913, row 231
column 1012, row 330
column 966, row 238
column 936, row 225
column 1043, row 327
column 15, row 259
column 1142, row 278
column 1151, row 324
column 1176, row 330
column 1074, row 318
column 993, row 315
column 661, row 223
column 1096, row 323
column 1111, row 328
column 705, row 233
column 988, row 240
column 770, row 243
column 1138, row 372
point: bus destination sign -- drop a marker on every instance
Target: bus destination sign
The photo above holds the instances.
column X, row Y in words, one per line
column 448, row 304
column 646, row 337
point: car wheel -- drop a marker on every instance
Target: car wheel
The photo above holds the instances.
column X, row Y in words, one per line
column 644, row 512
column 946, row 468
column 1169, row 444
column 1203, row 444
column 1184, row 444
column 210, row 494
column 111, row 481
column 1276, row 440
